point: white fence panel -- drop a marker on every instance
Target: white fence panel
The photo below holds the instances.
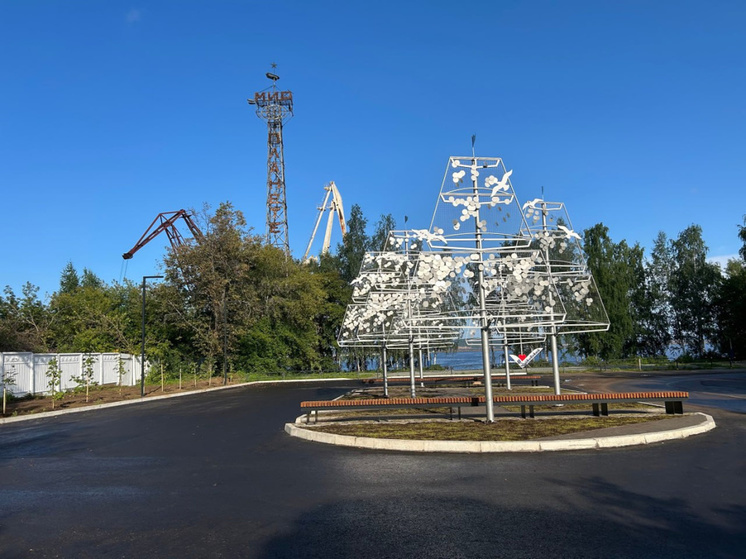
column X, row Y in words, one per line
column 31, row 369
column 130, row 366
column 21, row 366
column 71, row 365
column 41, row 365
column 111, row 368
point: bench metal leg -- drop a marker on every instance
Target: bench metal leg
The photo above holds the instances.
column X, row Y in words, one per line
column 600, row 409
column 675, row 407
column 523, row 412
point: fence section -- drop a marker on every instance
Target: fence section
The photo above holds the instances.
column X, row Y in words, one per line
column 28, row 371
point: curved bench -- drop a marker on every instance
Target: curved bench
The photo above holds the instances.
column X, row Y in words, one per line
column 673, row 401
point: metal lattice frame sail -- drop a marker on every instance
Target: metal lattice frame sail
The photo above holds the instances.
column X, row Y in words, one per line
column 392, row 306
column 548, row 224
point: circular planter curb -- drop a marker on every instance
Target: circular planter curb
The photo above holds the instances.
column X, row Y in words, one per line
column 591, row 443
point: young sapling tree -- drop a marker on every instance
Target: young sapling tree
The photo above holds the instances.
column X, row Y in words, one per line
column 121, row 371
column 86, row 375
column 54, row 379
column 9, row 379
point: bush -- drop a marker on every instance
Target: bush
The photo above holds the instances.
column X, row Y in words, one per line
column 592, row 362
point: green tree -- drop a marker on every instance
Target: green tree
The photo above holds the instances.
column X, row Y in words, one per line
column 12, row 332
column 609, row 264
column 86, row 375
column 693, row 285
column 742, row 236
column 730, row 305
column 656, row 315
column 69, row 280
column 121, row 371
column 355, row 244
column 208, row 294
column 638, row 300
column 24, row 321
column 54, row 377
column 8, row 380
column 96, row 317
column 383, row 227
column 91, row 280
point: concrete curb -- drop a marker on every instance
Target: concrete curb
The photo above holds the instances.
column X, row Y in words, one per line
column 44, row 415
column 617, row 441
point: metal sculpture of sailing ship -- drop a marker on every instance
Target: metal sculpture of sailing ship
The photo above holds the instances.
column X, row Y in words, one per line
column 513, row 274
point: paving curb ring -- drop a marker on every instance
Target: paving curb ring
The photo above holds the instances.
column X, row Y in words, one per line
column 591, row 443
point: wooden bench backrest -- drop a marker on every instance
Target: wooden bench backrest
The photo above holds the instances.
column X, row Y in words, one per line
column 517, row 399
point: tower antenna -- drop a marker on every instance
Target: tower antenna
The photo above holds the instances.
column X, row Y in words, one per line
column 276, row 108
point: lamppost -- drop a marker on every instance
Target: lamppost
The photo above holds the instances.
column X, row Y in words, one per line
column 142, row 360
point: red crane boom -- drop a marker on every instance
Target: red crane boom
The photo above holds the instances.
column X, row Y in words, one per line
column 165, row 222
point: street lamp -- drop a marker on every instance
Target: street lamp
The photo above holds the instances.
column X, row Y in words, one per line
column 142, row 361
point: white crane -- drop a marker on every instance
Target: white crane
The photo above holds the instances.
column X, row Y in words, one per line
column 335, row 207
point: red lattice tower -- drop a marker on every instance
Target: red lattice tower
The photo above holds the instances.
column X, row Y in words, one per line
column 276, row 108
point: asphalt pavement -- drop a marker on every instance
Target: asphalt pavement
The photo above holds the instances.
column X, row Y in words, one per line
column 215, row 475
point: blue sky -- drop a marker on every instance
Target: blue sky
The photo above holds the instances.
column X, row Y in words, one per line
column 632, row 113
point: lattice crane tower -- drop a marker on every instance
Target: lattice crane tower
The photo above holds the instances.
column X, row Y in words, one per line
column 275, row 107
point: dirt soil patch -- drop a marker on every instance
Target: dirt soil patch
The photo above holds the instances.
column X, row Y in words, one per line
column 469, row 430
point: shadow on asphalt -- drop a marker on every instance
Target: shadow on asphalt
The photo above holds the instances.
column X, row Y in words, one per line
column 607, row 521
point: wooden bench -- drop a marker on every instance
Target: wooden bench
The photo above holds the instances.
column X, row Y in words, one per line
column 673, row 401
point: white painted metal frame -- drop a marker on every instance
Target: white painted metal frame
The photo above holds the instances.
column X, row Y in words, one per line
column 515, row 274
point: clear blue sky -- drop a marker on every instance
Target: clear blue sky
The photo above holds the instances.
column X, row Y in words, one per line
column 632, row 113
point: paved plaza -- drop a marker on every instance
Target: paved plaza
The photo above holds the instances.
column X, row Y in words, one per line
column 215, row 475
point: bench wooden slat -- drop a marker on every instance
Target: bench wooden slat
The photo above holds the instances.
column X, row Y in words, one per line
column 513, row 377
column 673, row 401
column 511, row 399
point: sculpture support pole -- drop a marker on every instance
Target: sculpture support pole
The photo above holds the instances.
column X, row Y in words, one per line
column 555, row 360
column 484, row 323
column 385, row 372
column 553, row 331
column 411, row 367
column 422, row 376
column 507, row 367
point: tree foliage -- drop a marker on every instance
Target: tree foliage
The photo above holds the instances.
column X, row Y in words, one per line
column 231, row 294
column 656, row 316
column 612, row 267
column 232, row 300
column 693, row 287
column 730, row 305
column 354, row 245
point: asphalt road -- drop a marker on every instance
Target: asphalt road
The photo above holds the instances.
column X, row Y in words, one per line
column 215, row 475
